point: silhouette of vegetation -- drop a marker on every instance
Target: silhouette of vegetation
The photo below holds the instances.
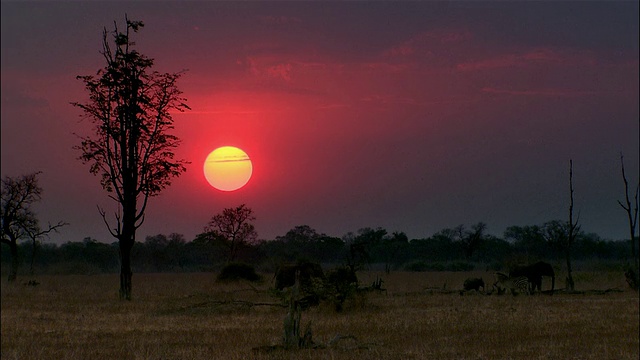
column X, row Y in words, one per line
column 573, row 229
column 173, row 253
column 131, row 149
column 233, row 226
column 632, row 274
column 19, row 221
column 238, row 271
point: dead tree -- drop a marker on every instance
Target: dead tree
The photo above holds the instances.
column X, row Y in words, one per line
column 632, row 216
column 292, row 338
column 572, row 231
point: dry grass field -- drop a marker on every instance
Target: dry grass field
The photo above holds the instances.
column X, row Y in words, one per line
column 190, row 316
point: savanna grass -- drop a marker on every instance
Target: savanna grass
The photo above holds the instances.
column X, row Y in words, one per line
column 419, row 316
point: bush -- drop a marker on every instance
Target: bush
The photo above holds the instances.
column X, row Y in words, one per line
column 238, row 271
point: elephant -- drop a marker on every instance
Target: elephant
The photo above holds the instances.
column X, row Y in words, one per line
column 474, row 284
column 534, row 273
column 286, row 274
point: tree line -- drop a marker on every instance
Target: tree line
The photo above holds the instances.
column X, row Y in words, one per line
column 456, row 249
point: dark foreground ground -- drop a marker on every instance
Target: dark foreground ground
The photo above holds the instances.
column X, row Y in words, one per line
column 419, row 316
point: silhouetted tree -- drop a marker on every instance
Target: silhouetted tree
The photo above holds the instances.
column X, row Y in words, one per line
column 361, row 246
column 632, row 217
column 235, row 227
column 131, row 149
column 300, row 243
column 35, row 234
column 563, row 234
column 529, row 240
column 573, row 229
column 18, row 219
column 392, row 245
column 471, row 240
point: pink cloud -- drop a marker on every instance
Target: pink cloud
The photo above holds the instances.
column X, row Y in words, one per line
column 401, row 50
column 426, row 42
column 279, row 20
column 529, row 58
column 540, row 92
column 268, row 67
column 384, row 67
column 280, row 71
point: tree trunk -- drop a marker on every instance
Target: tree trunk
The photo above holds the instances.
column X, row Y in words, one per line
column 573, row 227
column 570, row 284
column 33, row 256
column 633, row 248
column 13, row 274
column 125, row 270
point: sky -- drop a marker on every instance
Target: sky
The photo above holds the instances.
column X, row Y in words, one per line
column 409, row 116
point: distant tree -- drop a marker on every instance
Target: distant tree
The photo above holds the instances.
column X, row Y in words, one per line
column 131, row 149
column 18, row 219
column 527, row 239
column 303, row 243
column 632, row 217
column 235, row 227
column 441, row 246
column 362, row 247
column 299, row 234
column 472, row 239
column 392, row 245
column 573, row 230
column 36, row 234
column 563, row 234
column 300, row 243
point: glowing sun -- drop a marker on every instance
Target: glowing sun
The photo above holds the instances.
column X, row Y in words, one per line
column 228, row 168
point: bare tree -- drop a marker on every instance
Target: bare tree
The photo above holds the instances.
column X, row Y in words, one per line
column 471, row 240
column 35, row 234
column 131, row 149
column 235, row 227
column 18, row 219
column 572, row 230
column 632, row 216
column 563, row 234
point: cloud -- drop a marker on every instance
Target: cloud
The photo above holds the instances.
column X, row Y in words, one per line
column 14, row 96
column 532, row 57
column 389, row 99
column 385, row 67
column 540, row 92
column 279, row 20
column 429, row 42
column 280, row 71
column 266, row 68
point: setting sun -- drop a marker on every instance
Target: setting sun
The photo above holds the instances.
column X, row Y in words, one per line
column 228, row 168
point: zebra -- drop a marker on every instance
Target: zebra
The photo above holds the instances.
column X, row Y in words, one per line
column 516, row 284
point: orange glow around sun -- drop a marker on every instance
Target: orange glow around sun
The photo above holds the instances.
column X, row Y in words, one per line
column 228, row 168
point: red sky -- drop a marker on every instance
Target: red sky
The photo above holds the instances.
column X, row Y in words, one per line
column 411, row 116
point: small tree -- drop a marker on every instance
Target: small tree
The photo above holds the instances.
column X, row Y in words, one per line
column 131, row 149
column 235, row 227
column 632, row 217
column 18, row 219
